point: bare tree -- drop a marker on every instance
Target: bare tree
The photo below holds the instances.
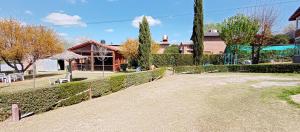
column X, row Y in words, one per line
column 266, row 16
column 101, row 53
column 290, row 30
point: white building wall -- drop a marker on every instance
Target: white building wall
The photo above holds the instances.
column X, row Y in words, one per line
column 47, row 65
column 41, row 65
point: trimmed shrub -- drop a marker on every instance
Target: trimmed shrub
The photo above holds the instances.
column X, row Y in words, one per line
column 261, row 68
column 163, row 60
column 46, row 99
column 189, row 69
column 117, row 82
column 266, row 68
column 215, row 68
column 213, row 59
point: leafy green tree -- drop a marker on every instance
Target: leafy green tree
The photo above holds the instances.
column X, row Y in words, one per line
column 144, row 50
column 173, row 49
column 280, row 39
column 198, row 32
column 239, row 30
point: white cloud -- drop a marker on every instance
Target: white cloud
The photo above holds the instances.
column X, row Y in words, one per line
column 28, row 12
column 152, row 21
column 63, row 19
column 62, row 34
column 110, row 30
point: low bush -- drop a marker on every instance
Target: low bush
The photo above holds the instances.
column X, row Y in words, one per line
column 261, row 68
column 189, row 69
column 46, row 99
column 215, row 68
column 265, row 68
column 163, row 60
column 172, row 59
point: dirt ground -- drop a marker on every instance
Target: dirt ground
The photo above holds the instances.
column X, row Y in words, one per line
column 183, row 103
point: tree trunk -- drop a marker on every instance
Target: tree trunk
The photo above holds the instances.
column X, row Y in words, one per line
column 258, row 54
column 27, row 67
column 253, row 53
column 34, row 74
column 256, row 58
column 10, row 64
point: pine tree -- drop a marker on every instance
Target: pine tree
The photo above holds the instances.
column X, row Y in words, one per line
column 144, row 51
column 198, row 35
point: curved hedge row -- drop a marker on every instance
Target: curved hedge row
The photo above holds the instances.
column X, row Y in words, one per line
column 46, row 99
column 261, row 68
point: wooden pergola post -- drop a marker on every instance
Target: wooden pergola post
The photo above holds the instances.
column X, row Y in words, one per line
column 92, row 58
column 114, row 61
column 71, row 69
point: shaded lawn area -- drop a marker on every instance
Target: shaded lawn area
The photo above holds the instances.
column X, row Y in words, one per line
column 42, row 80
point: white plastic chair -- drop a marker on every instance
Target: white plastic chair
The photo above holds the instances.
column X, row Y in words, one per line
column 53, row 81
column 3, row 77
column 66, row 79
column 19, row 76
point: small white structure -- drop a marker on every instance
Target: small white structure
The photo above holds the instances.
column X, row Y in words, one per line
column 46, row 65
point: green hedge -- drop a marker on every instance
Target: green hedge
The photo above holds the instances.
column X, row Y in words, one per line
column 163, row 60
column 261, row 68
column 46, row 99
column 189, row 69
column 266, row 68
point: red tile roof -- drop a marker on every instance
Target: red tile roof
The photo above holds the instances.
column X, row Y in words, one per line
column 113, row 48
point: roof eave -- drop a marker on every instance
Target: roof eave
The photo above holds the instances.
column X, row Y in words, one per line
column 295, row 15
column 93, row 42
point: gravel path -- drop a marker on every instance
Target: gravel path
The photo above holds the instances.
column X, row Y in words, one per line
column 208, row 102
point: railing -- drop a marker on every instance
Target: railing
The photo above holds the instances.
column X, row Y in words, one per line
column 297, row 34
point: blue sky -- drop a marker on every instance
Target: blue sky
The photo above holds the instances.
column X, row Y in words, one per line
column 77, row 19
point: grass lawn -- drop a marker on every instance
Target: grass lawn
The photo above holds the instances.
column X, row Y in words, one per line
column 283, row 93
column 42, row 80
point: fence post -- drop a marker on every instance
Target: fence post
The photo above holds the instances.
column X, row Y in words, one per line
column 15, row 112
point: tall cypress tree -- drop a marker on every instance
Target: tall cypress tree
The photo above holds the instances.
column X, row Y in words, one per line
column 198, row 32
column 144, row 51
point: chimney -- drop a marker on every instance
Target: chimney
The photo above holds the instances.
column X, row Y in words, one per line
column 102, row 42
column 165, row 38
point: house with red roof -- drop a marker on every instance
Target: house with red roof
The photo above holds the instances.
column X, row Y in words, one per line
column 296, row 17
column 112, row 62
column 213, row 44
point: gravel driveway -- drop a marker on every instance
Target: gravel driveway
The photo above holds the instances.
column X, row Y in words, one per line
column 183, row 103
